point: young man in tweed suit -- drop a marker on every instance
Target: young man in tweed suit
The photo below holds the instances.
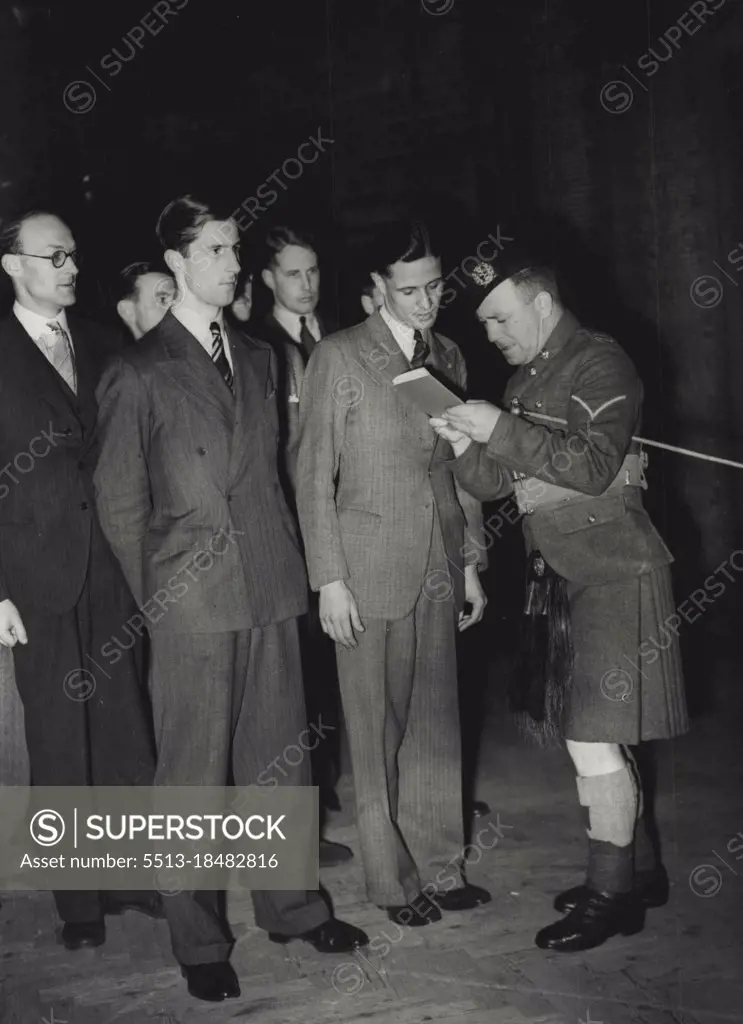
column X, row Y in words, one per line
column 385, row 538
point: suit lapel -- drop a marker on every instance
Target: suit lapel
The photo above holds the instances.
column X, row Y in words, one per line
column 254, row 384
column 33, row 365
column 89, row 363
column 442, row 363
column 276, row 331
column 441, row 359
column 189, row 366
column 380, row 355
column 383, row 360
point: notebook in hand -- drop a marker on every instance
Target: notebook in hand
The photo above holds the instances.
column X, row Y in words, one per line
column 429, row 394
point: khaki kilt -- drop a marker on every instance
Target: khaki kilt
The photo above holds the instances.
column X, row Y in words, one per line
column 627, row 682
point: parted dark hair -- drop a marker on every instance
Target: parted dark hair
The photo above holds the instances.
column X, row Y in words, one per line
column 10, row 230
column 279, row 237
column 402, row 242
column 181, row 222
column 126, row 285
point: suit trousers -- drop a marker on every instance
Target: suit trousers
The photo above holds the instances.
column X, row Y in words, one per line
column 322, row 698
column 225, row 706
column 87, row 719
column 14, row 766
column 399, row 693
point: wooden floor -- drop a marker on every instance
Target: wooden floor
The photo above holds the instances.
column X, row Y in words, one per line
column 686, row 967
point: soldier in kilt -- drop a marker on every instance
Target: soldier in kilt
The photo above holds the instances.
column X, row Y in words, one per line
column 602, row 668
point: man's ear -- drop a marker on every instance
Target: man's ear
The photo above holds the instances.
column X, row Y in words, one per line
column 11, row 264
column 173, row 261
column 125, row 309
column 380, row 282
column 267, row 278
column 544, row 304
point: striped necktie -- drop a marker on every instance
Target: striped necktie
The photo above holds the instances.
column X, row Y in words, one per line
column 57, row 348
column 420, row 353
column 218, row 355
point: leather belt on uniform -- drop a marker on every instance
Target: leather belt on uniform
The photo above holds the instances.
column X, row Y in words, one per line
column 533, row 493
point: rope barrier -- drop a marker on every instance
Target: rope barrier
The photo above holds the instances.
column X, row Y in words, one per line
column 644, row 440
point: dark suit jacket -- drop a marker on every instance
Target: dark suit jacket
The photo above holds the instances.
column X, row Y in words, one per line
column 292, row 363
column 270, row 330
column 372, row 473
column 187, row 485
column 587, row 380
column 48, row 450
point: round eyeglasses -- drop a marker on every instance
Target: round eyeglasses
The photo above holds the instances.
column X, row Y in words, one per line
column 59, row 257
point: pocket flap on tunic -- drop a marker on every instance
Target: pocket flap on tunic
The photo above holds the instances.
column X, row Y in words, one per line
column 582, row 515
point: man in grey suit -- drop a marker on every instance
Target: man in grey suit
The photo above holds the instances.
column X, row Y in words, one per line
column 385, row 537
column 187, row 469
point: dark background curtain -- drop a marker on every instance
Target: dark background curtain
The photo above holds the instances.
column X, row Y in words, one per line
column 591, row 126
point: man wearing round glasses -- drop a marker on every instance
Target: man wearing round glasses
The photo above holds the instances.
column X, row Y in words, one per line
column 62, row 594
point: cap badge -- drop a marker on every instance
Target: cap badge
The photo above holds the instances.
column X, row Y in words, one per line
column 482, row 274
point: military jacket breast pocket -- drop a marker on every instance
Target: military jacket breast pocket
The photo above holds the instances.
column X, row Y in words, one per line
column 582, row 515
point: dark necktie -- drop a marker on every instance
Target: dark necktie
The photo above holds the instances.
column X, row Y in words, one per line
column 218, row 355
column 306, row 337
column 420, row 353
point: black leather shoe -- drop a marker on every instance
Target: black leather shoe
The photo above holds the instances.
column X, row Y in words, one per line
column 651, row 887
column 421, row 910
column 150, row 907
column 592, row 921
column 78, row 934
column 211, row 982
column 331, row 936
column 467, row 897
column 333, row 853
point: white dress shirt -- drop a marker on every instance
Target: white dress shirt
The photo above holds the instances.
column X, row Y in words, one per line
column 290, row 322
column 402, row 334
column 196, row 324
column 36, row 326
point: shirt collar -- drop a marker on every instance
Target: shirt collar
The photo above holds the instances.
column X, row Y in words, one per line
column 561, row 333
column 290, row 322
column 198, row 324
column 36, row 325
column 402, row 333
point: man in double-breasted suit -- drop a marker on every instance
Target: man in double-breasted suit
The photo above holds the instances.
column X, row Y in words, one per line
column 599, row 573
column 385, row 534
column 190, row 500
column 62, row 594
